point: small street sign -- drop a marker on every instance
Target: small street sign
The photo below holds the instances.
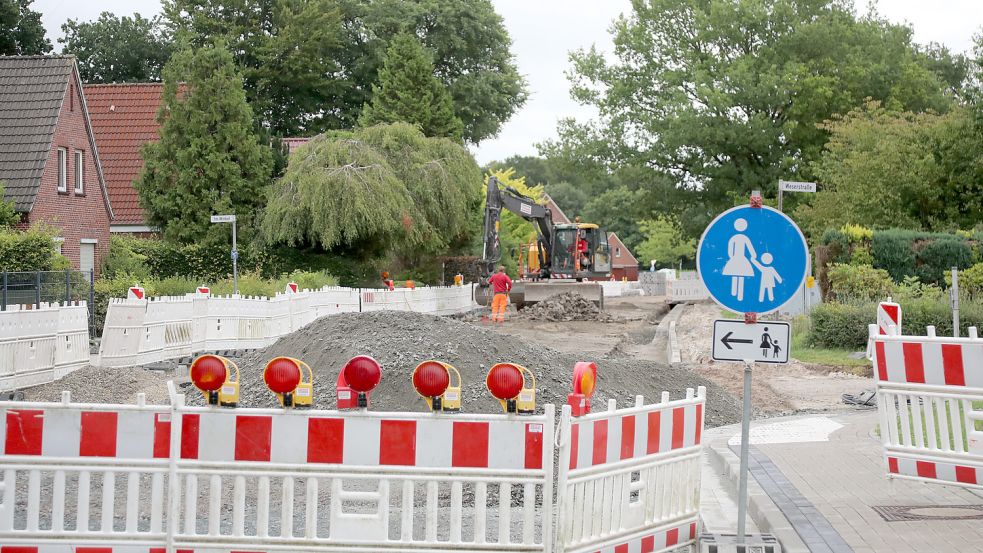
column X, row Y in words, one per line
column 223, row 218
column 752, row 259
column 235, row 255
column 763, row 342
column 792, row 186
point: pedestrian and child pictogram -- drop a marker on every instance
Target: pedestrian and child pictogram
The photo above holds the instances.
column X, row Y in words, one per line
column 762, row 342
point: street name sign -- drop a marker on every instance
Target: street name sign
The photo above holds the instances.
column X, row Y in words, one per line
column 752, row 259
column 762, row 342
column 223, row 218
column 792, row 186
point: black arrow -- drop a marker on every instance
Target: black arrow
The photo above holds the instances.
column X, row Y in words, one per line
column 727, row 340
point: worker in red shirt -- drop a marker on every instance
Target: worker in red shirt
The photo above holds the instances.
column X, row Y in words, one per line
column 502, row 285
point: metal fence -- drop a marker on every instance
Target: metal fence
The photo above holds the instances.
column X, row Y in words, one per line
column 37, row 287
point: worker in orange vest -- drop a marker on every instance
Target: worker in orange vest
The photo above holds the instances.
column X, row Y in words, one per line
column 388, row 282
column 502, row 285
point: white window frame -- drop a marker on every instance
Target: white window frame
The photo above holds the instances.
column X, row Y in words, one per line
column 617, row 252
column 59, row 244
column 79, row 172
column 63, row 169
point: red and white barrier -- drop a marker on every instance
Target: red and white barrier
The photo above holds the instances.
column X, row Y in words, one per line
column 888, row 315
column 930, row 400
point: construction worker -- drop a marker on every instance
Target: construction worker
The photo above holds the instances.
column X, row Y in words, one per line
column 502, row 285
column 388, row 282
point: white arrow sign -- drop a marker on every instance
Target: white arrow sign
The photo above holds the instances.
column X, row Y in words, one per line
column 792, row 186
column 223, row 218
column 763, row 342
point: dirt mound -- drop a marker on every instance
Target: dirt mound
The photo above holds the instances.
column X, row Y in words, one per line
column 400, row 341
column 105, row 385
column 568, row 306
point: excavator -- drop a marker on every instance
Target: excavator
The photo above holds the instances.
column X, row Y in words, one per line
column 564, row 257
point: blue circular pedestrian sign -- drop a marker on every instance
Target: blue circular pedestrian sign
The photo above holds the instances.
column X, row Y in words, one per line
column 752, row 259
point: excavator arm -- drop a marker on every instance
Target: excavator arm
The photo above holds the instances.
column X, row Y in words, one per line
column 499, row 198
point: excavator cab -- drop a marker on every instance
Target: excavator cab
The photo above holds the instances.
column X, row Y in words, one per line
column 581, row 251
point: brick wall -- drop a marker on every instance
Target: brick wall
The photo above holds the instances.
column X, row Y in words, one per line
column 79, row 216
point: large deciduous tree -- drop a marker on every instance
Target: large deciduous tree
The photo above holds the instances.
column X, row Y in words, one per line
column 21, row 32
column 116, row 49
column 310, row 65
column 376, row 190
column 726, row 96
column 409, row 92
column 208, row 159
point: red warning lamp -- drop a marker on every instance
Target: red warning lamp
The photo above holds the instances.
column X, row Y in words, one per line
column 283, row 376
column 584, row 383
column 211, row 375
column 362, row 374
column 432, row 380
column 505, row 381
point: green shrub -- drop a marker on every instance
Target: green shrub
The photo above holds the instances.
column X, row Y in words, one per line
column 307, row 280
column 857, row 234
column 30, row 250
column 838, row 245
column 971, row 281
column 859, row 282
column 912, row 289
column 839, row 325
column 171, row 286
column 892, row 251
column 861, row 255
column 936, row 258
column 124, row 258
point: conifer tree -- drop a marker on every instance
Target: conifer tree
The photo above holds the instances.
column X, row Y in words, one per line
column 408, row 91
column 208, row 159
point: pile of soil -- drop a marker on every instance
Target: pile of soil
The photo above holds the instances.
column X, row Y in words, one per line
column 105, row 385
column 568, row 306
column 400, row 341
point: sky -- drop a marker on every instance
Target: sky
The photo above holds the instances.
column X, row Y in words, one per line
column 544, row 32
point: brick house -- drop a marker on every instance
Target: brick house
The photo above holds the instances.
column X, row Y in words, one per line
column 49, row 162
column 624, row 265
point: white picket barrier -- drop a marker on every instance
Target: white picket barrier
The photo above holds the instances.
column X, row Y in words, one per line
column 930, row 402
column 688, row 289
column 141, row 331
column 629, row 479
column 42, row 345
column 619, row 288
column 125, row 478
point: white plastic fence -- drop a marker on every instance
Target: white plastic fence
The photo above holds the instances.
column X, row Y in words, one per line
column 619, row 288
column 930, row 401
column 42, row 345
column 629, row 479
column 688, row 289
column 215, row 480
column 142, row 331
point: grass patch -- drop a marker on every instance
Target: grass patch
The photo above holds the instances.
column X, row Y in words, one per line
column 832, row 357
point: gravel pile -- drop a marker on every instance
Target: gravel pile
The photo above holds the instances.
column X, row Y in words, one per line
column 400, row 341
column 105, row 385
column 568, row 306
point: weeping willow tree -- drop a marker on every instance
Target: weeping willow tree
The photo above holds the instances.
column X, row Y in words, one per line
column 376, row 190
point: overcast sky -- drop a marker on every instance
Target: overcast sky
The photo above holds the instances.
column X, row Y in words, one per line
column 545, row 31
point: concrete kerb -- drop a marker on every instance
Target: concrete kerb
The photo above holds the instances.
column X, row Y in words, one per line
column 762, row 510
column 665, row 335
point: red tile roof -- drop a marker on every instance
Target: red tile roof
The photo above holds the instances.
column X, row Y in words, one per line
column 124, row 118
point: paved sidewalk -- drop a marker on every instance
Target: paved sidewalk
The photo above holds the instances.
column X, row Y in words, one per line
column 825, row 481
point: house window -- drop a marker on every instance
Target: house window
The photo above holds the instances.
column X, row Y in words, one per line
column 60, row 244
column 62, row 169
column 617, row 252
column 79, row 172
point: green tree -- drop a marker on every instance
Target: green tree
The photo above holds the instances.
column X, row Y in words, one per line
column 116, row 49
column 886, row 169
column 664, row 242
column 572, row 200
column 8, row 214
column 300, row 56
column 408, row 91
column 208, row 159
column 376, row 190
column 21, row 31
column 725, row 96
column 617, row 210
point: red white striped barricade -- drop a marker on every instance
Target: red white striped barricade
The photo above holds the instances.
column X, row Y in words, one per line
column 888, row 315
column 930, row 401
column 215, row 481
column 629, row 479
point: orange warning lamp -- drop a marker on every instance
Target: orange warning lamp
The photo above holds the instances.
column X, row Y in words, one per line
column 507, row 383
column 362, row 374
column 584, row 382
column 211, row 374
column 432, row 380
column 284, row 377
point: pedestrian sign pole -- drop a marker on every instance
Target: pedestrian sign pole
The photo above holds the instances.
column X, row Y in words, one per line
column 753, row 259
column 235, row 250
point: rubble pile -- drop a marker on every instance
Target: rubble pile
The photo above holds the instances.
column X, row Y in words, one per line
column 565, row 307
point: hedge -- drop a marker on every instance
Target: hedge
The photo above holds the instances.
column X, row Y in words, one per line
column 31, row 250
column 845, row 326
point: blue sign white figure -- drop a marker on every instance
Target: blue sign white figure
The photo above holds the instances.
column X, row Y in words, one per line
column 752, row 259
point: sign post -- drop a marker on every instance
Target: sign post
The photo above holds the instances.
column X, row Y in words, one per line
column 793, row 186
column 753, row 259
column 235, row 251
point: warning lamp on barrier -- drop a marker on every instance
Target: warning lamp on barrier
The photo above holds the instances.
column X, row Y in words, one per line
column 584, row 382
column 432, row 380
column 211, row 374
column 507, row 383
column 361, row 375
column 284, row 376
